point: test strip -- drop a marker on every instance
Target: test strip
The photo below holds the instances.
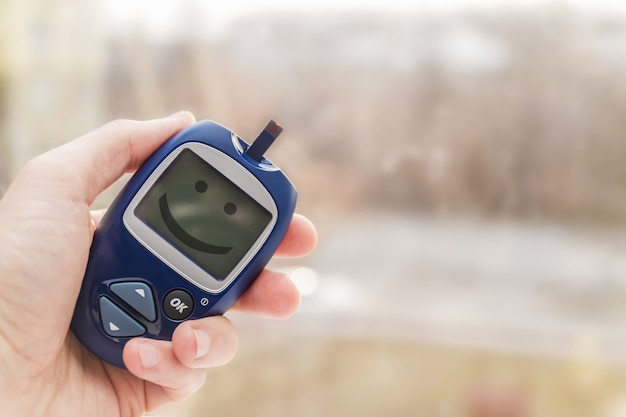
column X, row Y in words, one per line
column 264, row 141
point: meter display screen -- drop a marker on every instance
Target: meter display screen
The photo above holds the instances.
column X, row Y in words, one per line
column 203, row 214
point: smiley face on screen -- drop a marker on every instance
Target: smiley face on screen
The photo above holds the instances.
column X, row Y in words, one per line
column 179, row 232
column 203, row 214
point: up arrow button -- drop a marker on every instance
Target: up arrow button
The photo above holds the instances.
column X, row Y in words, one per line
column 137, row 295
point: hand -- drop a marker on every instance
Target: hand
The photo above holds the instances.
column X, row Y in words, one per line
column 46, row 229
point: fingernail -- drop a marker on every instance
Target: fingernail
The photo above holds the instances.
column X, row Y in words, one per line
column 203, row 343
column 149, row 355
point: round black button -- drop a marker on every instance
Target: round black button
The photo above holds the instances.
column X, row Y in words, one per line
column 178, row 304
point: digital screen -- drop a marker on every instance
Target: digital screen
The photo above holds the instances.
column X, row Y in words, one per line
column 203, row 214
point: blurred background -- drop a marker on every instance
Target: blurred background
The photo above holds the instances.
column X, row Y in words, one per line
column 464, row 162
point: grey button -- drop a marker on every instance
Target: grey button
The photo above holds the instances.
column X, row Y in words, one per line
column 115, row 322
column 138, row 295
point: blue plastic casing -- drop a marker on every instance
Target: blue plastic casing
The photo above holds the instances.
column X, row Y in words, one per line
column 116, row 256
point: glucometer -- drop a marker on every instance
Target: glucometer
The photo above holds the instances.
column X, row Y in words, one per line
column 184, row 239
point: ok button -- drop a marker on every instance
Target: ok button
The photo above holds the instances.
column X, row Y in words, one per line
column 178, row 305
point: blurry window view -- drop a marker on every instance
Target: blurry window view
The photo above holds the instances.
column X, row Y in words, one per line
column 465, row 166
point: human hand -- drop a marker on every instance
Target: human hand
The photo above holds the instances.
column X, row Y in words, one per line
column 46, row 229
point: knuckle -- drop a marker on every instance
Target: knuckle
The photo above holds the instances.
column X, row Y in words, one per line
column 45, row 168
column 118, row 124
column 191, row 382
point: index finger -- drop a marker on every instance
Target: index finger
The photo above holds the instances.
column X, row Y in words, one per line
column 95, row 160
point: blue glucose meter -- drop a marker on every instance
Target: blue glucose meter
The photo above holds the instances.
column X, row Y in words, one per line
column 188, row 234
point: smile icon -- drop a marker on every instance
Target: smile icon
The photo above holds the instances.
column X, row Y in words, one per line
column 185, row 237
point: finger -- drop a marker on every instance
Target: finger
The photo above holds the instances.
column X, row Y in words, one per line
column 205, row 343
column 94, row 161
column 154, row 361
column 300, row 240
column 272, row 294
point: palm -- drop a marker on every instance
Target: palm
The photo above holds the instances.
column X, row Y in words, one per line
column 90, row 385
column 42, row 352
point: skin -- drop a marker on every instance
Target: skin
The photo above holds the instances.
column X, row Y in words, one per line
column 46, row 228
